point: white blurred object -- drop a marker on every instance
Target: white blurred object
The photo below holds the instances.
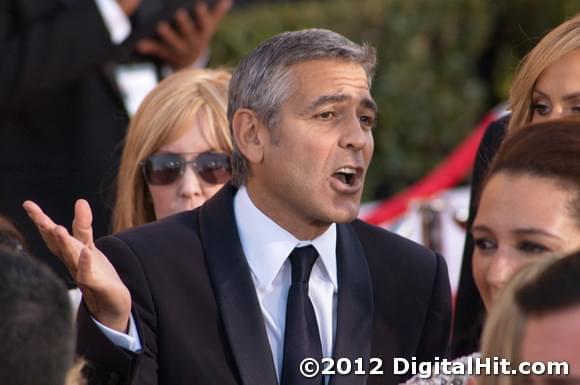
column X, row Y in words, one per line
column 435, row 223
column 75, row 297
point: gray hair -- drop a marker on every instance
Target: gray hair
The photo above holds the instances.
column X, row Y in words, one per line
column 260, row 82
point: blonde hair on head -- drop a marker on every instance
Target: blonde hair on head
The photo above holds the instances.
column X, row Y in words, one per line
column 165, row 115
column 559, row 42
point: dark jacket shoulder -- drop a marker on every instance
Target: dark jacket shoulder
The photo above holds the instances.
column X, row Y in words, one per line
column 383, row 246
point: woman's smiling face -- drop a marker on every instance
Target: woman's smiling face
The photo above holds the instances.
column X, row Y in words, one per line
column 520, row 217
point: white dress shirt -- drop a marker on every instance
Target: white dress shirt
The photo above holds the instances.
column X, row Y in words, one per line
column 267, row 247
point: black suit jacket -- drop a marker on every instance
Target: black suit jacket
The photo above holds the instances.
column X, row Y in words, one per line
column 62, row 119
column 200, row 322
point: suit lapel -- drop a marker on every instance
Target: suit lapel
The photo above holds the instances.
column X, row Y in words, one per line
column 355, row 304
column 234, row 290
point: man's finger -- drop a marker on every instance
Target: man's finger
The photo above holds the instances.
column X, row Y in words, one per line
column 45, row 226
column 170, row 37
column 202, row 16
column 186, row 26
column 207, row 21
column 154, row 48
column 82, row 226
column 222, row 7
column 218, row 13
column 40, row 219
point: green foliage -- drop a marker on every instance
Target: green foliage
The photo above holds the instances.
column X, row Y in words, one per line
column 427, row 87
column 519, row 25
column 428, row 84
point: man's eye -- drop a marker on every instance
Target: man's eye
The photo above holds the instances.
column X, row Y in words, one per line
column 532, row 247
column 367, row 121
column 541, row 109
column 576, row 110
column 326, row 115
column 484, row 244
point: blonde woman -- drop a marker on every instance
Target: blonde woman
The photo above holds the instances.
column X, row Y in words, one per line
column 548, row 79
column 545, row 86
column 176, row 156
column 176, row 153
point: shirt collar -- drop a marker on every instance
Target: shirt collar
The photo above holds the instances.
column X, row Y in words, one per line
column 266, row 245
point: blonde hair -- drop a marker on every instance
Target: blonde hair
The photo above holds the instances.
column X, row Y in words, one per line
column 559, row 42
column 503, row 331
column 162, row 118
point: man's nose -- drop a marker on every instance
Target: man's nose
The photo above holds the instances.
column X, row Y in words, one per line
column 354, row 136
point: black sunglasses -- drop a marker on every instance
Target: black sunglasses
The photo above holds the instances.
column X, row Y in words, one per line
column 163, row 169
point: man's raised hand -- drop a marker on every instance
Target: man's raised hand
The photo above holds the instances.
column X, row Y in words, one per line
column 106, row 296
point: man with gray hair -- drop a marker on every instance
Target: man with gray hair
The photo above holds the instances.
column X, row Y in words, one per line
column 274, row 280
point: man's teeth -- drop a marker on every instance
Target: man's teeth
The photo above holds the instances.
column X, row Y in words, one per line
column 346, row 170
column 346, row 174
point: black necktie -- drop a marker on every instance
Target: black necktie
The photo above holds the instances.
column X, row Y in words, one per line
column 301, row 338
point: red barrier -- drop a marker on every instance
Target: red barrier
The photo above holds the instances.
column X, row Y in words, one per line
column 450, row 171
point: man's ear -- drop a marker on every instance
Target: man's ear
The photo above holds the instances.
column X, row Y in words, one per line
column 250, row 135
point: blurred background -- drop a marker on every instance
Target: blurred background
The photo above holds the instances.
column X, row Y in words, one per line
column 444, row 70
column 442, row 64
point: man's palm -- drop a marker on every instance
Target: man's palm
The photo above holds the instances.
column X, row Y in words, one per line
column 105, row 295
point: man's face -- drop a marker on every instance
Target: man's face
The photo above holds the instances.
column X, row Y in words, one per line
column 553, row 337
column 313, row 167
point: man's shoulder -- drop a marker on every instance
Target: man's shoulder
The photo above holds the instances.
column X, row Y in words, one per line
column 387, row 251
column 377, row 239
column 396, row 262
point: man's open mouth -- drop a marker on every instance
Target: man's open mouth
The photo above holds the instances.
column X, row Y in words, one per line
column 347, row 175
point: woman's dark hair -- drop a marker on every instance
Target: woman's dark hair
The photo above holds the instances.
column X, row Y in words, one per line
column 548, row 150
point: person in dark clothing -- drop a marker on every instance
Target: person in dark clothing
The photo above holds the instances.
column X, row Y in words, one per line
column 62, row 102
column 276, row 268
